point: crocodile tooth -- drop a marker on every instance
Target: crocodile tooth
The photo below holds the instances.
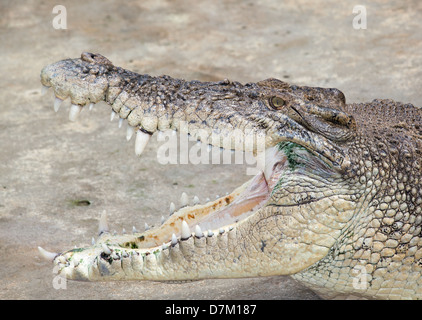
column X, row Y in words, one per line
column 198, row 232
column 57, row 104
column 184, row 199
column 146, row 226
column 160, row 135
column 120, row 122
column 173, row 133
column 92, row 241
column 163, row 219
column 74, row 112
column 210, row 233
column 172, row 208
column 164, row 246
column 173, row 239
column 129, row 132
column 47, row 255
column 221, row 231
column 185, row 231
column 207, row 200
column 124, row 231
column 44, row 89
column 103, row 226
column 195, row 200
column 134, row 230
column 142, row 139
column 112, row 115
column 106, row 249
column 91, row 105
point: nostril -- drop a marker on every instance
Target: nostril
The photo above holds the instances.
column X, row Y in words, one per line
column 88, row 57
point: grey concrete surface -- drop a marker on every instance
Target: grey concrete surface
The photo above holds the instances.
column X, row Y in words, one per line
column 48, row 164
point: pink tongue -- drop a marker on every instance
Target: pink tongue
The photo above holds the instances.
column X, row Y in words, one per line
column 257, row 192
column 254, row 195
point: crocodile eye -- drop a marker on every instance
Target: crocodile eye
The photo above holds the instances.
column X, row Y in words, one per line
column 277, row 102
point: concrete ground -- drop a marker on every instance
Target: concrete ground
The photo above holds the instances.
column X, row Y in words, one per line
column 49, row 166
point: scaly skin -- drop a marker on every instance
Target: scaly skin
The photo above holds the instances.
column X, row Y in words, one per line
column 338, row 204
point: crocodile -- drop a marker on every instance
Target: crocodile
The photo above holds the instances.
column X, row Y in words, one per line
column 336, row 203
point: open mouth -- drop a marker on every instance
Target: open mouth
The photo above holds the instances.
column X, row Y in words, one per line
column 198, row 220
column 213, row 217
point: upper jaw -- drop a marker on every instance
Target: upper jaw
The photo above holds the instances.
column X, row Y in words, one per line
column 67, row 75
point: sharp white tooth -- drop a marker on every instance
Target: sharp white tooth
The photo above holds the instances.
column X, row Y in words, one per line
column 163, row 220
column 173, row 239
column 184, row 199
column 160, row 136
column 120, row 122
column 44, row 89
column 49, row 256
column 207, row 200
column 92, row 241
column 134, row 230
column 74, row 112
column 164, row 246
column 221, row 231
column 172, row 208
column 106, row 249
column 146, row 226
column 129, row 132
column 142, row 139
column 57, row 104
column 112, row 115
column 210, row 233
column 91, row 105
column 124, row 231
column 217, row 196
column 209, row 148
column 198, row 232
column 231, row 228
column 103, row 226
column 185, row 231
column 195, row 200
column 173, row 133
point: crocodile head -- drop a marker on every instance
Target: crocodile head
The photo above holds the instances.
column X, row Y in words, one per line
column 317, row 200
